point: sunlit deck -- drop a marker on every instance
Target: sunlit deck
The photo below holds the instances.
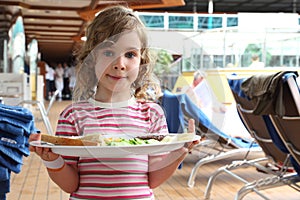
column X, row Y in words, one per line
column 33, row 182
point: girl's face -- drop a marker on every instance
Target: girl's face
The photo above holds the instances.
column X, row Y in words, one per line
column 118, row 63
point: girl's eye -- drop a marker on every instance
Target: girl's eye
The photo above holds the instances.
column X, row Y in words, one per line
column 108, row 53
column 130, row 54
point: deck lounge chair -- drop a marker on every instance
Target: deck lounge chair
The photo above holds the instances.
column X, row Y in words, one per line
column 258, row 126
column 262, row 129
column 286, row 124
column 179, row 108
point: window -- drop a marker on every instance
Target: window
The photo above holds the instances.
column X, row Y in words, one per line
column 153, row 21
column 181, row 22
column 209, row 22
column 232, row 21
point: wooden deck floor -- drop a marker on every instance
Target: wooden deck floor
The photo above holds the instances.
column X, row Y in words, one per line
column 32, row 183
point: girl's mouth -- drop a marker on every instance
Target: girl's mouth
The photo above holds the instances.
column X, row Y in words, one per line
column 115, row 77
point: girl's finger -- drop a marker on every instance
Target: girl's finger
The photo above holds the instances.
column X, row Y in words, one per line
column 34, row 137
column 191, row 127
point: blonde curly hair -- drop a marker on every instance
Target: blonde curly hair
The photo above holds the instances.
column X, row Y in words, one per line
column 109, row 23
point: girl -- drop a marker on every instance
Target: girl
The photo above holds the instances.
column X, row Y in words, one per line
column 113, row 65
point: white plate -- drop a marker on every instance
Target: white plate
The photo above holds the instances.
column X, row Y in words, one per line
column 114, row 151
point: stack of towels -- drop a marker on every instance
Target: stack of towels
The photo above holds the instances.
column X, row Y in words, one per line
column 16, row 124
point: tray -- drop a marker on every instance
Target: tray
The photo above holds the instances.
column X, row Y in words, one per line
column 115, row 151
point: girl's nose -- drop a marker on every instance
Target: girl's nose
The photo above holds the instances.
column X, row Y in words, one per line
column 119, row 67
column 119, row 64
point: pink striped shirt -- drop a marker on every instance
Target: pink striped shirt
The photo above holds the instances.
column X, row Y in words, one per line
column 112, row 178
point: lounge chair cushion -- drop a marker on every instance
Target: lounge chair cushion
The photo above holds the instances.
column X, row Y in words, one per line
column 179, row 106
column 266, row 91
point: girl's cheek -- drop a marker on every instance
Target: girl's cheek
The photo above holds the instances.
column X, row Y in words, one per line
column 101, row 66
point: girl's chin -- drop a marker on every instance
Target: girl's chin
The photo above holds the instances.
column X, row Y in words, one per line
column 124, row 90
column 120, row 88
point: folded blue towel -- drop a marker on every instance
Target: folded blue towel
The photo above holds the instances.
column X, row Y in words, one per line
column 4, row 182
column 4, row 173
column 10, row 164
column 2, row 196
column 7, row 126
column 27, row 126
column 16, row 156
column 17, row 143
column 16, row 112
column 12, row 136
column 11, row 140
column 16, row 116
column 25, row 150
column 16, row 124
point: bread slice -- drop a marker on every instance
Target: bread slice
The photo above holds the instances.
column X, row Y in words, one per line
column 67, row 141
column 97, row 138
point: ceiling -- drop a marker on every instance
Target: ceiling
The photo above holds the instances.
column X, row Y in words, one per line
column 59, row 24
column 235, row 6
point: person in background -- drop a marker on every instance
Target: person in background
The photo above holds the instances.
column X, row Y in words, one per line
column 50, row 85
column 72, row 73
column 205, row 94
column 256, row 63
column 66, row 77
column 113, row 63
column 27, row 65
column 198, row 78
column 59, row 81
column 225, row 118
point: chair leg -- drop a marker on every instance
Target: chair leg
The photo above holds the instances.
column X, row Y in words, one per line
column 213, row 158
column 266, row 183
column 45, row 118
column 52, row 100
column 227, row 168
column 43, row 113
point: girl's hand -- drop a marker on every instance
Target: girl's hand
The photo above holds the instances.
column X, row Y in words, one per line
column 174, row 157
column 45, row 153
